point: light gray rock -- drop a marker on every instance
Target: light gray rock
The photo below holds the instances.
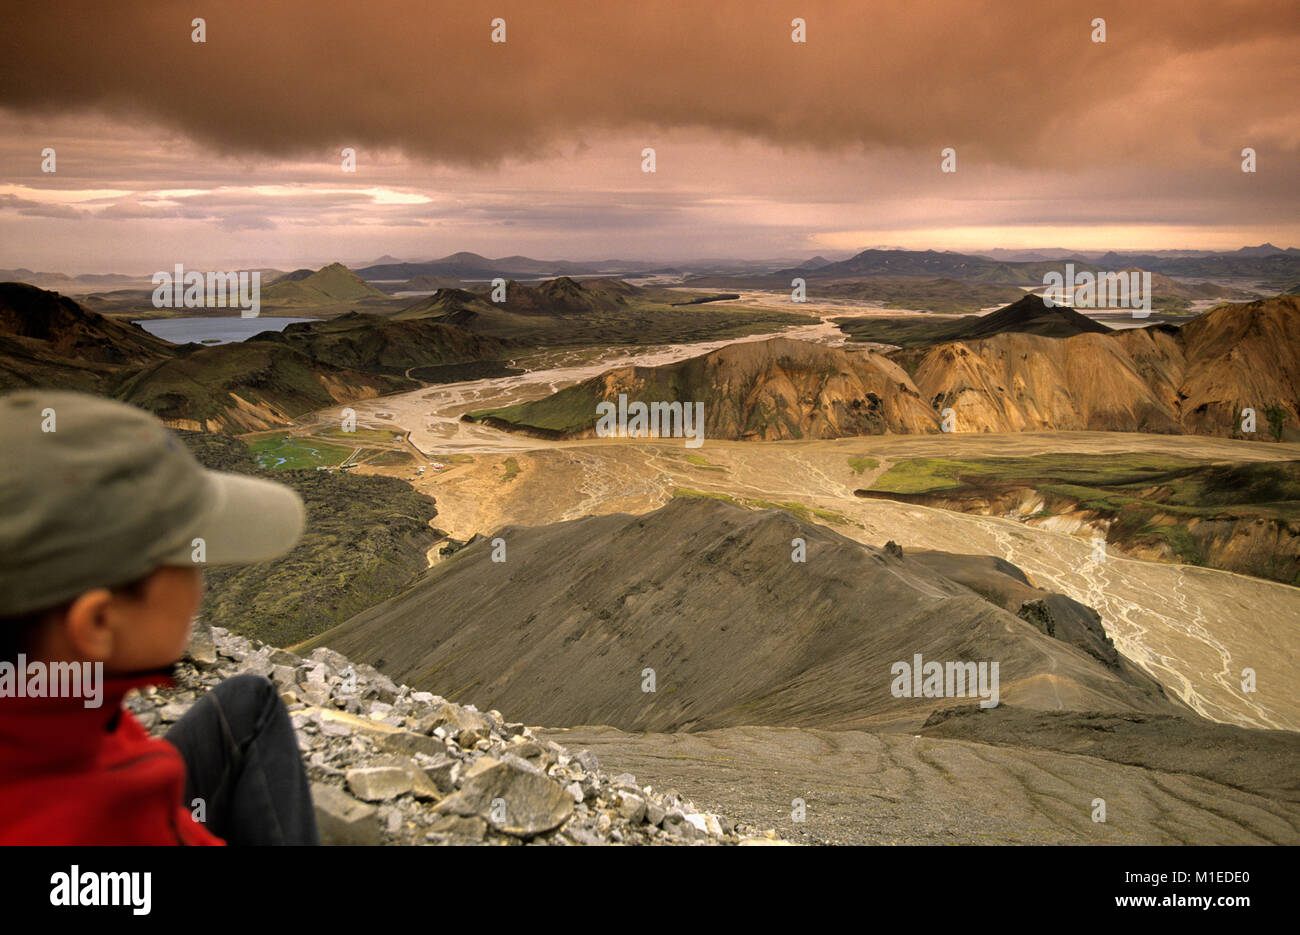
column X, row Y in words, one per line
column 336, row 661
column 439, row 772
column 316, row 697
column 259, row 664
column 407, row 743
column 202, row 650
column 584, row 836
column 459, row 826
column 169, row 713
column 341, row 819
column 280, row 657
column 533, row 803
column 379, row 783
column 443, row 773
column 675, row 823
column 631, row 807
column 284, row 678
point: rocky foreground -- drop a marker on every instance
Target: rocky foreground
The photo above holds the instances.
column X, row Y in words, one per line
column 390, row 765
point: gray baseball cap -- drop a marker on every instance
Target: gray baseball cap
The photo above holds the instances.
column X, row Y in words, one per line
column 96, row 493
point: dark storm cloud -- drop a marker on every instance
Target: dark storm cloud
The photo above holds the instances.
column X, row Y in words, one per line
column 1017, row 82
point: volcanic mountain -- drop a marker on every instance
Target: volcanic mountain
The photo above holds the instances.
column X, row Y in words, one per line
column 564, row 312
column 465, row 265
column 66, row 329
column 768, row 390
column 430, row 283
column 555, row 297
column 1030, row 315
column 246, row 387
column 706, row 595
column 1161, row 379
column 49, row 340
column 380, row 345
column 1197, row 378
column 329, row 285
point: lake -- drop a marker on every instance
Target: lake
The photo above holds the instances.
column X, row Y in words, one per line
column 213, row 330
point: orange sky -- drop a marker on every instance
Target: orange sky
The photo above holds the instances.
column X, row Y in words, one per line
column 227, row 152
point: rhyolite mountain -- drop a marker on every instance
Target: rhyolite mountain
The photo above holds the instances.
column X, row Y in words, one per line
column 246, row 387
column 1161, row 378
column 1195, row 379
column 763, row 390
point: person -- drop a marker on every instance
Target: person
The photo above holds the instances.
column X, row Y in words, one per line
column 106, row 524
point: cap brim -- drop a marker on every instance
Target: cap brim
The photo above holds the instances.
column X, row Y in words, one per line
column 250, row 520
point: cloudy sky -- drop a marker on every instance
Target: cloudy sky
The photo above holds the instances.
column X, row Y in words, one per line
column 227, row 153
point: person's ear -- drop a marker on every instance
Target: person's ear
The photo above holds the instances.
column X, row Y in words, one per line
column 89, row 625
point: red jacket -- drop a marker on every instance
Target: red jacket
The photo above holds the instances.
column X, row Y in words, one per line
column 76, row 775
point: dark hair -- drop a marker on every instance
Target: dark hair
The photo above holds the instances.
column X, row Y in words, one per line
column 18, row 633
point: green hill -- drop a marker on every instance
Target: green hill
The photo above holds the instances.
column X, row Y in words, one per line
column 564, row 311
column 329, row 285
column 382, row 345
column 246, row 387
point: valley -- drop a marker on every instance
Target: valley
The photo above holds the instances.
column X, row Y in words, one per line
column 1188, row 626
column 715, row 426
column 635, row 552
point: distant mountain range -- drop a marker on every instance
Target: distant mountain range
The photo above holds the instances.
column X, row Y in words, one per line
column 1264, row 262
column 1061, row 253
column 995, row 265
column 472, row 266
column 30, row 276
